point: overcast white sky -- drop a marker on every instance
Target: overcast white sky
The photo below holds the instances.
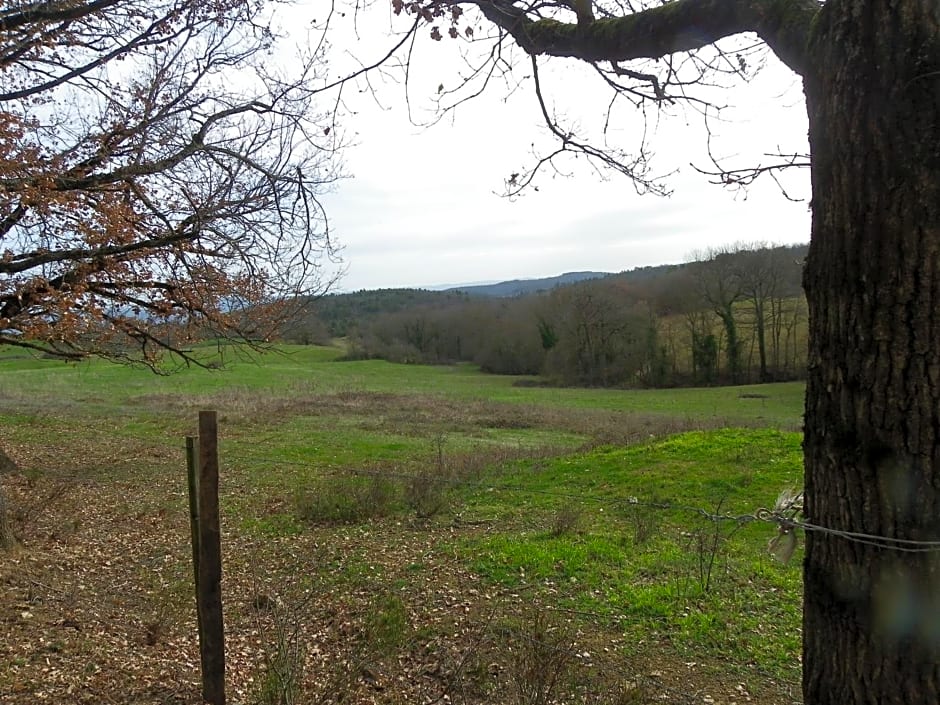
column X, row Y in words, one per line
column 422, row 207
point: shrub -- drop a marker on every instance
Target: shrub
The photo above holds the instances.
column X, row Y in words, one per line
column 280, row 682
column 540, row 659
column 567, row 521
column 346, row 499
column 426, row 494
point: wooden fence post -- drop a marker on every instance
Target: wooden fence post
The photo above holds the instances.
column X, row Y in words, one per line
column 7, row 466
column 209, row 581
column 192, row 478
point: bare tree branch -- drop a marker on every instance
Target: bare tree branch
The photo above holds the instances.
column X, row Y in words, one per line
column 682, row 25
column 149, row 198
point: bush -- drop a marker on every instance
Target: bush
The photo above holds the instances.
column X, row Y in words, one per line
column 539, row 660
column 427, row 494
column 280, row 682
column 566, row 522
column 346, row 499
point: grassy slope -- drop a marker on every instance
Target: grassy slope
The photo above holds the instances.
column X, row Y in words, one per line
column 554, row 520
column 655, row 571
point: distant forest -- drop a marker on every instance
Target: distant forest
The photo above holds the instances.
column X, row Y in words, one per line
column 736, row 316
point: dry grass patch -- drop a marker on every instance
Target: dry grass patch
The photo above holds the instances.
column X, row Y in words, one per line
column 427, row 415
column 347, row 499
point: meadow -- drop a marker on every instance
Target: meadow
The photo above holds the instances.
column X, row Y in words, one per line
column 398, row 533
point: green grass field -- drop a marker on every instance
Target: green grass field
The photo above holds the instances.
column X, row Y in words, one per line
column 435, row 510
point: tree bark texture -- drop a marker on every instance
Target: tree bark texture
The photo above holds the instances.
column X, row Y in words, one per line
column 872, row 436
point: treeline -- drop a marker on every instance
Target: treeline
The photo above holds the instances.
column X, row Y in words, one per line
column 736, row 316
column 340, row 315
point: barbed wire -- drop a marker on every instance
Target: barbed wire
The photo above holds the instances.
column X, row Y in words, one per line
column 886, row 542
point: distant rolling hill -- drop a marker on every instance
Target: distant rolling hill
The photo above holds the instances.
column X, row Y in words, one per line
column 520, row 287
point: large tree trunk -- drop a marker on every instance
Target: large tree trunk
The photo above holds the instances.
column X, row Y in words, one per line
column 872, row 614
